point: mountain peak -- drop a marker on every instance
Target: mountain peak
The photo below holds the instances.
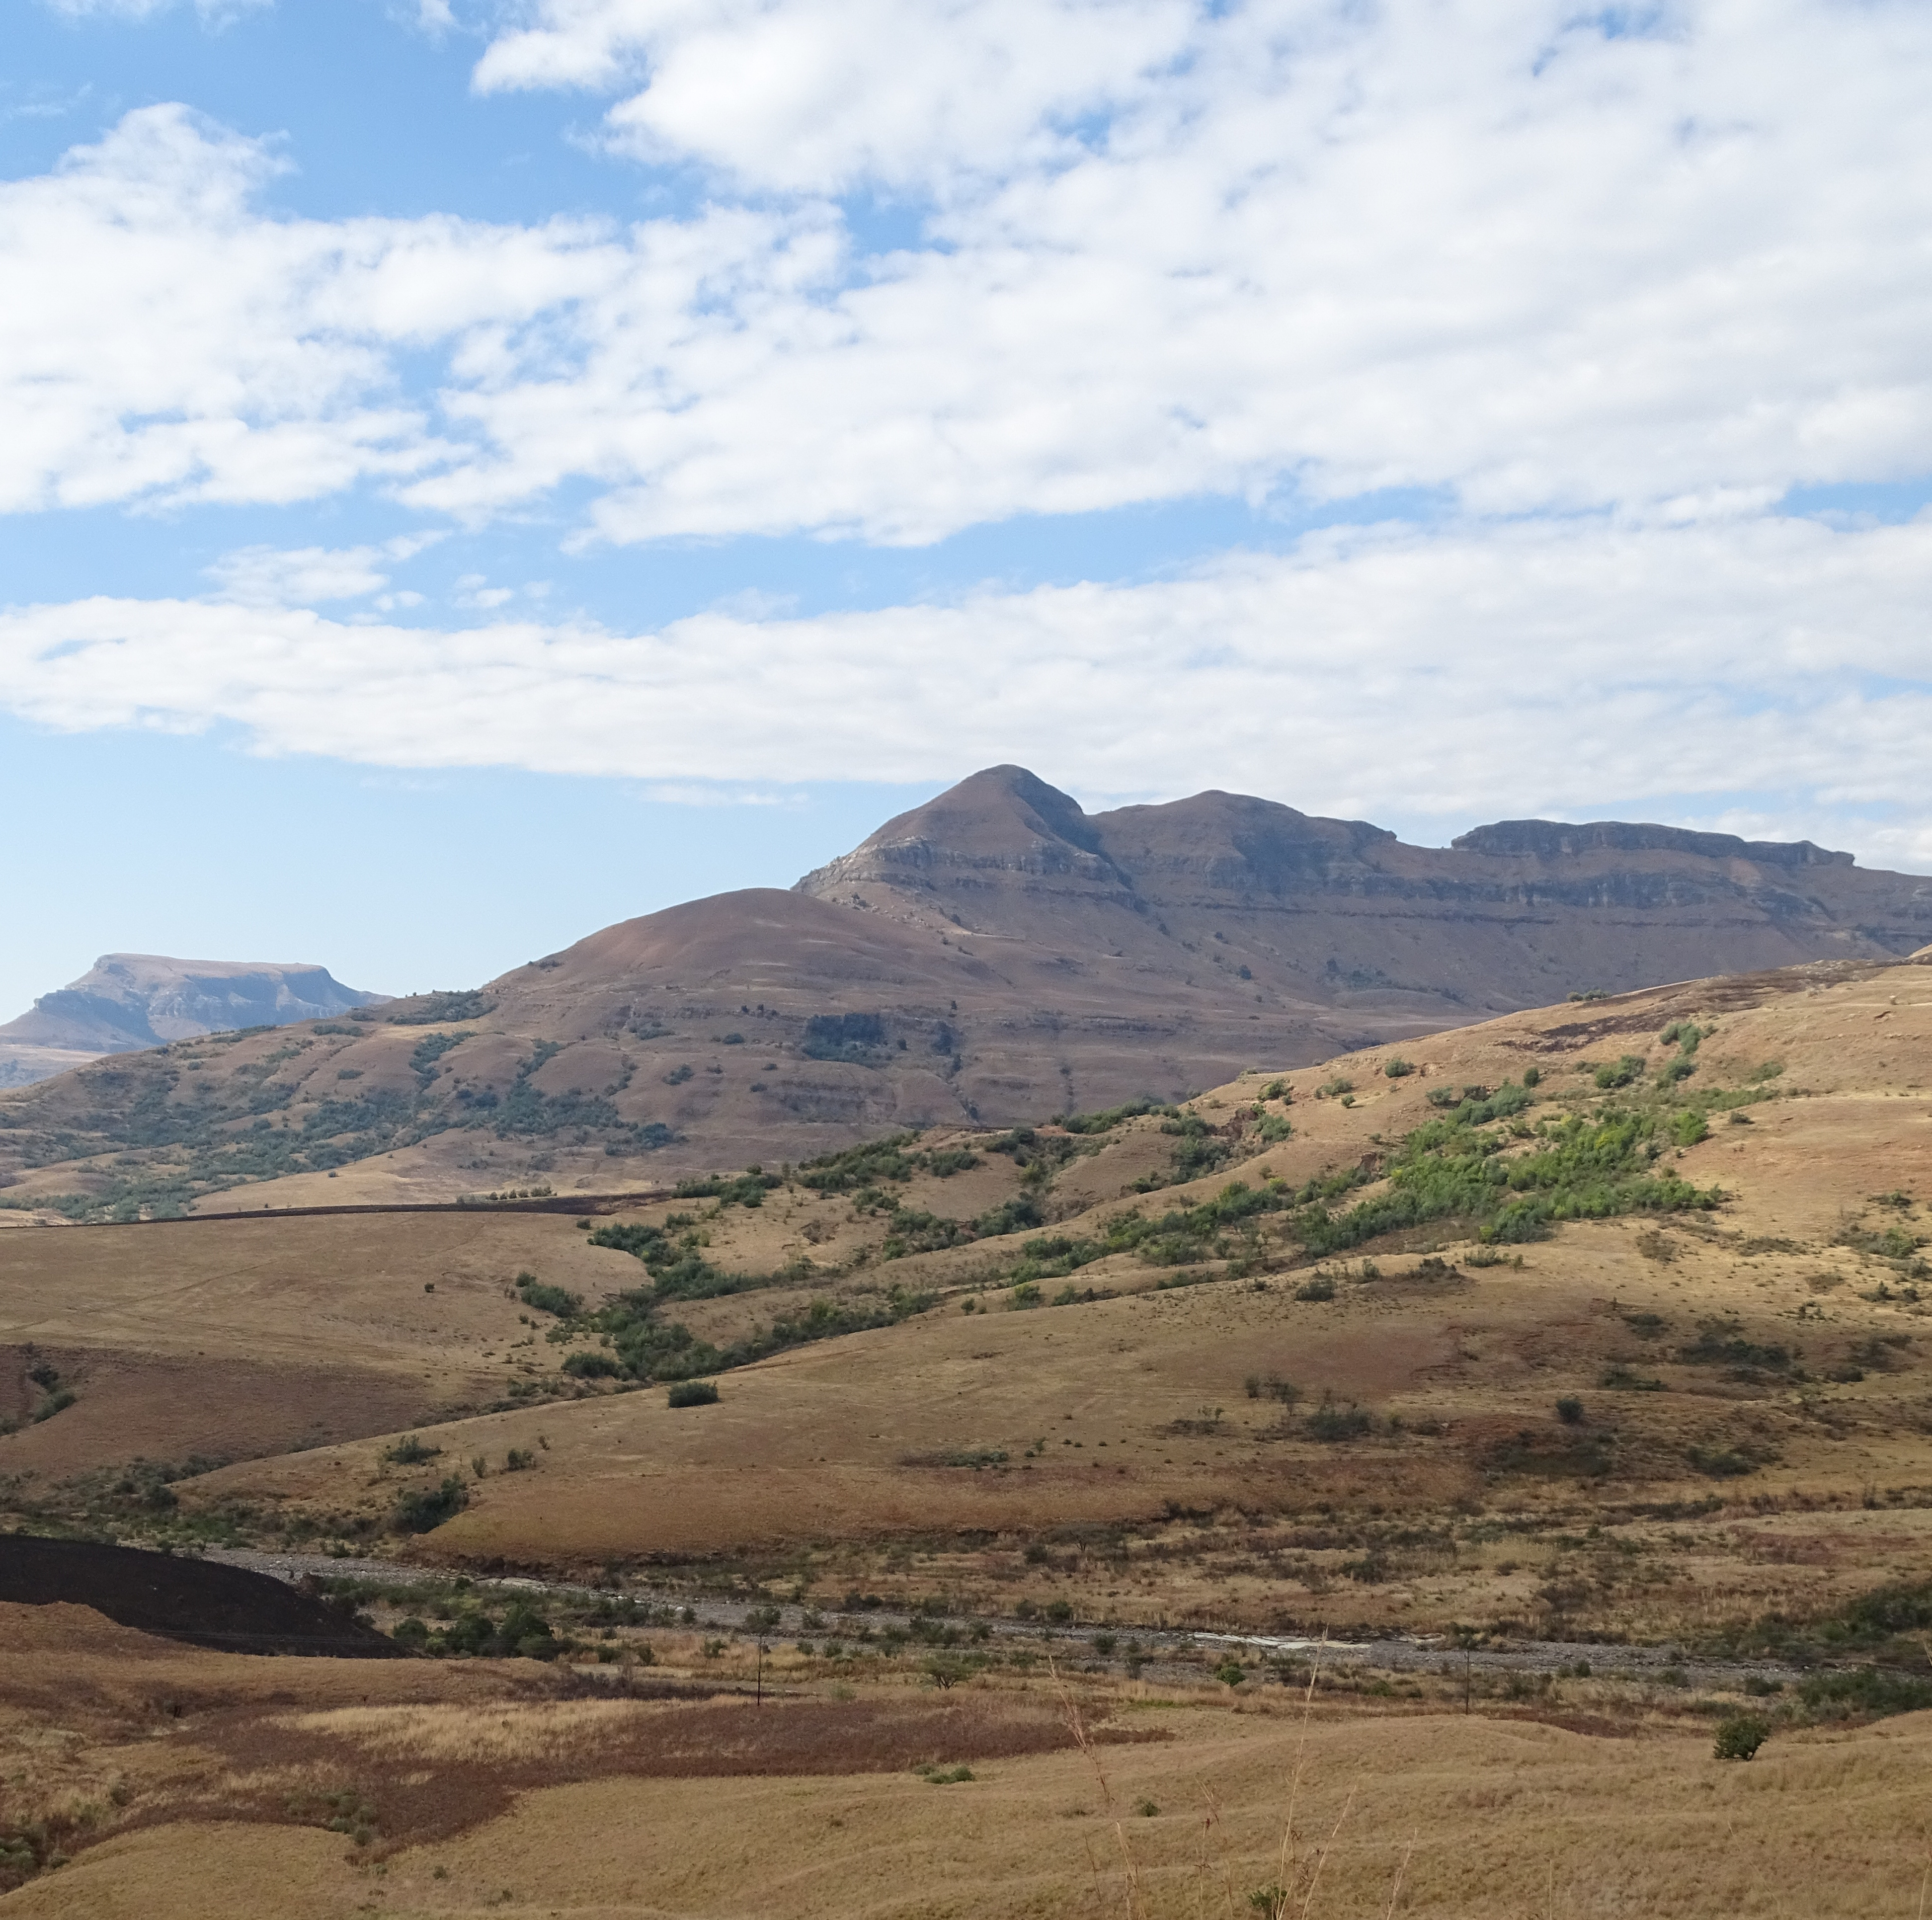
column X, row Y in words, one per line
column 1000, row 826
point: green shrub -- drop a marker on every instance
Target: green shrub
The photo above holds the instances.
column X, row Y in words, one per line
column 747, row 1189
column 1689, row 1127
column 546, row 1299
column 1398, row 1069
column 1532, row 1076
column 1329, row 1422
column 426, row 1509
column 1720, row 1342
column 852, row 1038
column 868, row 1166
column 423, row 1062
column 1322, row 1287
column 437, row 1007
column 694, row 1393
column 1569, row 1410
column 1870, row 1692
column 591, row 1366
column 1105, row 1122
column 409, row 1452
column 1740, row 1736
column 1014, row 1215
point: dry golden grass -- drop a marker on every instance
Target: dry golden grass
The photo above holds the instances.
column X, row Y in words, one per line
column 1351, row 1815
column 820, row 1461
column 231, row 1338
column 820, row 1458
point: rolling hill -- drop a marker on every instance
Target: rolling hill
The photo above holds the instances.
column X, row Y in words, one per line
column 996, row 954
column 1601, row 1325
column 1694, row 1217
column 1727, row 1285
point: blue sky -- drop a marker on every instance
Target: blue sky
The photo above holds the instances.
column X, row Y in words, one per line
column 471, row 471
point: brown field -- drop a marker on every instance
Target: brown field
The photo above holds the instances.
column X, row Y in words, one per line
column 1132, row 1447
column 235, row 1338
column 1105, row 1455
column 200, row 1786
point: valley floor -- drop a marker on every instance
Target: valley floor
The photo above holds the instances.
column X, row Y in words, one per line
column 205, row 1786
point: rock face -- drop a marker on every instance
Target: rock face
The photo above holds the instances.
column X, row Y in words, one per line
column 126, row 1002
column 997, row 954
column 1510, row 915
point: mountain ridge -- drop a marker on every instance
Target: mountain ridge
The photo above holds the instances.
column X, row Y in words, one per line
column 993, row 955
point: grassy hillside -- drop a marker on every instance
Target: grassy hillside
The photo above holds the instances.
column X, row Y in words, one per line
column 1345, row 1345
column 1605, row 1322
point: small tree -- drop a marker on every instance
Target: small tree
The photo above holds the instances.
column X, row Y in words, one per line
column 421, row 1512
column 1740, row 1736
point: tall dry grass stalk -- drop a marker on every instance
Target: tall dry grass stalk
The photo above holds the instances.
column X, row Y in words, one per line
column 1077, row 1725
column 1278, row 1901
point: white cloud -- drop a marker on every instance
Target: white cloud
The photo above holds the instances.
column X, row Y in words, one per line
column 1496, row 251
column 214, row 11
column 816, row 95
column 473, row 589
column 273, row 577
column 709, row 793
column 288, row 576
column 1474, row 673
column 163, row 339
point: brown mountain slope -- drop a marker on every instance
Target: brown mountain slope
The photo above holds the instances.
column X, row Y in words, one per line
column 994, row 956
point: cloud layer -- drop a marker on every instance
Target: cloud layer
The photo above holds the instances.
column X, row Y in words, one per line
column 1388, row 672
column 1508, row 253
column 1603, row 287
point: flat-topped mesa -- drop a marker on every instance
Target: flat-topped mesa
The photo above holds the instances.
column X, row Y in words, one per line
column 127, row 1002
column 1553, row 839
